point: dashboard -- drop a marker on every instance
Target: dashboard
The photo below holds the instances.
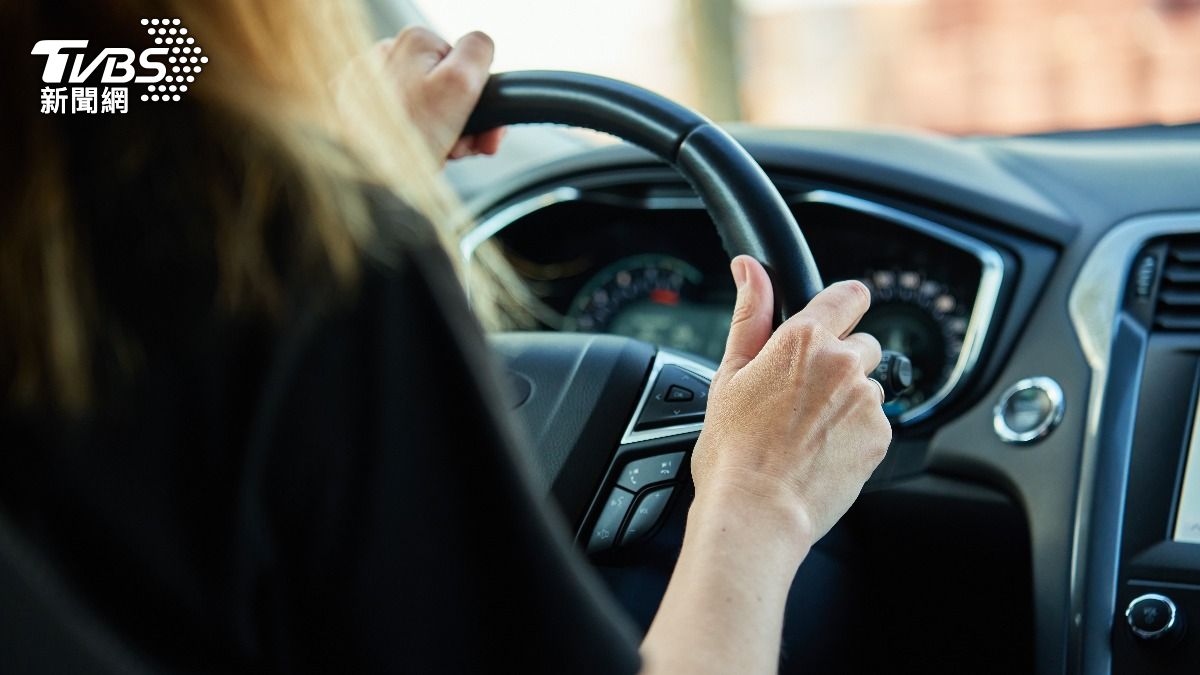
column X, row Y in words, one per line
column 653, row 268
column 1069, row 259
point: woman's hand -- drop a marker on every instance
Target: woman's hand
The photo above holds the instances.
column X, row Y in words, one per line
column 440, row 86
column 792, row 420
column 792, row 432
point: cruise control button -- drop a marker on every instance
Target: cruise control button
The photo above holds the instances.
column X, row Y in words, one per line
column 650, row 470
column 649, row 509
column 677, row 393
column 608, row 525
column 677, row 397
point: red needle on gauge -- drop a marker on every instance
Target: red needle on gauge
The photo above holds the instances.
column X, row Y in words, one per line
column 664, row 296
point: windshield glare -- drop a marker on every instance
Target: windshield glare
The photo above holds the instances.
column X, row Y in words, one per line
column 952, row 66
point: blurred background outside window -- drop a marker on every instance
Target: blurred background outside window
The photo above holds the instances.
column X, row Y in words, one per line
column 952, row 66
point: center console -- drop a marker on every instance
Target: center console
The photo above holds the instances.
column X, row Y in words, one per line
column 1156, row 615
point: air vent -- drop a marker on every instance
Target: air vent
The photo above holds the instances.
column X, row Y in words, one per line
column 1178, row 307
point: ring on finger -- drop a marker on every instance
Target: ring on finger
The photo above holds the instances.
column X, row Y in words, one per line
column 879, row 386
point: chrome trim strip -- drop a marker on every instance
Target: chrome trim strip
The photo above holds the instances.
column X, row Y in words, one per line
column 665, row 358
column 494, row 223
column 991, row 264
column 1054, row 394
column 991, row 277
column 1093, row 304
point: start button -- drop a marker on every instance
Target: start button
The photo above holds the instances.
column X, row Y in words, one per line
column 1029, row 410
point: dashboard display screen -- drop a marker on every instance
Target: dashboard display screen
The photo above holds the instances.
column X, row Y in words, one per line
column 1187, row 521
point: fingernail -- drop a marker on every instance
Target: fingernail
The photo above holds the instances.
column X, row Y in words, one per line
column 739, row 272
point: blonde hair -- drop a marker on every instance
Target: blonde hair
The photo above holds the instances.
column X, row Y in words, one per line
column 266, row 98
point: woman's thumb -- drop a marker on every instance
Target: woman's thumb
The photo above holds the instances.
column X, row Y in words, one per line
column 751, row 325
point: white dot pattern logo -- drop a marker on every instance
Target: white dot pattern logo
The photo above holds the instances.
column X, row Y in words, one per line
column 170, row 34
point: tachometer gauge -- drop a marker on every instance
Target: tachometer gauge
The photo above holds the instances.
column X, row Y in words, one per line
column 922, row 318
column 654, row 298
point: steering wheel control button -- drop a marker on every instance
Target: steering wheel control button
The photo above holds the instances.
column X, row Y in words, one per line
column 647, row 514
column 678, row 397
column 608, row 525
column 650, row 470
column 894, row 374
column 1029, row 410
column 1152, row 616
column 678, row 394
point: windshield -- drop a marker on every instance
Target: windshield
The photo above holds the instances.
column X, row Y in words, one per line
column 952, row 66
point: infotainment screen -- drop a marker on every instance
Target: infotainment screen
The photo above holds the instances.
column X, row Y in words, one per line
column 1187, row 521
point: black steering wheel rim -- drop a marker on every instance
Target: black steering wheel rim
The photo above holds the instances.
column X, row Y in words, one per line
column 751, row 216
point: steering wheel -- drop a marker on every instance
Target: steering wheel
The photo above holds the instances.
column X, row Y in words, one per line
column 750, row 214
column 582, row 395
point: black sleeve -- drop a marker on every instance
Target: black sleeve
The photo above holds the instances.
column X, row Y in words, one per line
column 398, row 530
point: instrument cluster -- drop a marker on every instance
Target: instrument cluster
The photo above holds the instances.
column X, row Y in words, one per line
column 658, row 273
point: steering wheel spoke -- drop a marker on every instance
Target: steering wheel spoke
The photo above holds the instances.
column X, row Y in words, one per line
column 652, row 460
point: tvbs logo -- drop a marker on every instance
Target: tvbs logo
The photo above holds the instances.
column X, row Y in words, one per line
column 118, row 63
column 166, row 70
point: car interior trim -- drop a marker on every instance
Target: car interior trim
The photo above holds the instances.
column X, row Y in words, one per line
column 496, row 222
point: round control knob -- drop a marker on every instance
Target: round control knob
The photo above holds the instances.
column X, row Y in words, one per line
column 1029, row 410
column 1153, row 617
column 894, row 372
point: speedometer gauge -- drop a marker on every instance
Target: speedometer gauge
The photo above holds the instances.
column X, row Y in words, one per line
column 655, row 298
column 922, row 318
